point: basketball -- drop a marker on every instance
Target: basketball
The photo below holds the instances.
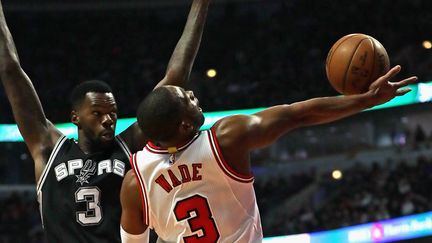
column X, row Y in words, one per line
column 354, row 62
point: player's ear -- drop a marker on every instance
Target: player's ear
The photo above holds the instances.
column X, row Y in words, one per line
column 75, row 118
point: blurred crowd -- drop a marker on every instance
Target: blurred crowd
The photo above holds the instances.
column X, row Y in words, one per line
column 20, row 220
column 265, row 53
column 272, row 190
column 16, row 164
column 363, row 195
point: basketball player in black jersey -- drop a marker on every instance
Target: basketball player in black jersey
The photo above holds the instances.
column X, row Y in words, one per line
column 79, row 182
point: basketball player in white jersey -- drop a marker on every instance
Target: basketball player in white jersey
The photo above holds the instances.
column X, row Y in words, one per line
column 192, row 186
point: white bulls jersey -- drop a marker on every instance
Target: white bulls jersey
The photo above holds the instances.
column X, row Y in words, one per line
column 194, row 196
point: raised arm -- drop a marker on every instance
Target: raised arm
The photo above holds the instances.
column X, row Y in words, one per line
column 179, row 66
column 39, row 134
column 183, row 57
column 237, row 135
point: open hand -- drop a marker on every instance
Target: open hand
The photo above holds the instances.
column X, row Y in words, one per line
column 382, row 90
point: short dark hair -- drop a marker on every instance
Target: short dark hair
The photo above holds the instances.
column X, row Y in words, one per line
column 159, row 115
column 79, row 92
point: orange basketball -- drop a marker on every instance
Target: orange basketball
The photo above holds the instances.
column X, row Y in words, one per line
column 354, row 62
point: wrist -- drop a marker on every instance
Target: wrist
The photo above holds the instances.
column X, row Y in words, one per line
column 367, row 99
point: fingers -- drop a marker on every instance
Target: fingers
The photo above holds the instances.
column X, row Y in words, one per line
column 389, row 75
column 401, row 92
column 404, row 82
column 392, row 72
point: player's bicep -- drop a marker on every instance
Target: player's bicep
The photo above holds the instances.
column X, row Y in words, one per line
column 270, row 124
column 238, row 135
column 36, row 134
column 134, row 138
column 43, row 139
column 132, row 219
column 42, row 146
column 239, row 132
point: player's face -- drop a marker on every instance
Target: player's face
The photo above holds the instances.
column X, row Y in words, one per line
column 192, row 108
column 98, row 117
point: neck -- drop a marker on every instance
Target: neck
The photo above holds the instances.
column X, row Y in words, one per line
column 87, row 145
column 176, row 142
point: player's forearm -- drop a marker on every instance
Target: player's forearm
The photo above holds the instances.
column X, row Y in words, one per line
column 274, row 122
column 21, row 94
column 183, row 57
column 327, row 109
column 8, row 55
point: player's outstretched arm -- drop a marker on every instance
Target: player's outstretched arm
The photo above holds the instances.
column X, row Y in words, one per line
column 183, row 57
column 133, row 228
column 238, row 135
column 39, row 134
column 179, row 66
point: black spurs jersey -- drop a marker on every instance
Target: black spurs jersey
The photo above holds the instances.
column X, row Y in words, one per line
column 79, row 194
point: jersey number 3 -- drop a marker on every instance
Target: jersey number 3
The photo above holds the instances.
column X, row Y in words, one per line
column 197, row 212
column 93, row 214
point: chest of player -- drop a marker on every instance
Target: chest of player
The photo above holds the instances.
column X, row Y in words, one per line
column 83, row 170
column 72, row 164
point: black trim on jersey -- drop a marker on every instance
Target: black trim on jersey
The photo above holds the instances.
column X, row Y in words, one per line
column 44, row 174
column 123, row 145
column 40, row 200
column 52, row 157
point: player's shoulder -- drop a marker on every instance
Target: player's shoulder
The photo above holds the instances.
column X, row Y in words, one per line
column 233, row 126
column 236, row 121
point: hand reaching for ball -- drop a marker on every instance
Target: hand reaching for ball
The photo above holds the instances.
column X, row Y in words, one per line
column 383, row 90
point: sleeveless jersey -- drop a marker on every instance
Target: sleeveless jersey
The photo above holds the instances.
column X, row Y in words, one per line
column 79, row 194
column 194, row 196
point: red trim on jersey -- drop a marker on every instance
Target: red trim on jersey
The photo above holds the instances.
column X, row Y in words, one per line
column 142, row 193
column 151, row 147
column 154, row 151
column 229, row 171
column 131, row 160
column 146, row 148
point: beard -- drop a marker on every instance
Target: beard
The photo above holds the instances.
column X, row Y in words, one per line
column 101, row 143
column 98, row 142
column 199, row 119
